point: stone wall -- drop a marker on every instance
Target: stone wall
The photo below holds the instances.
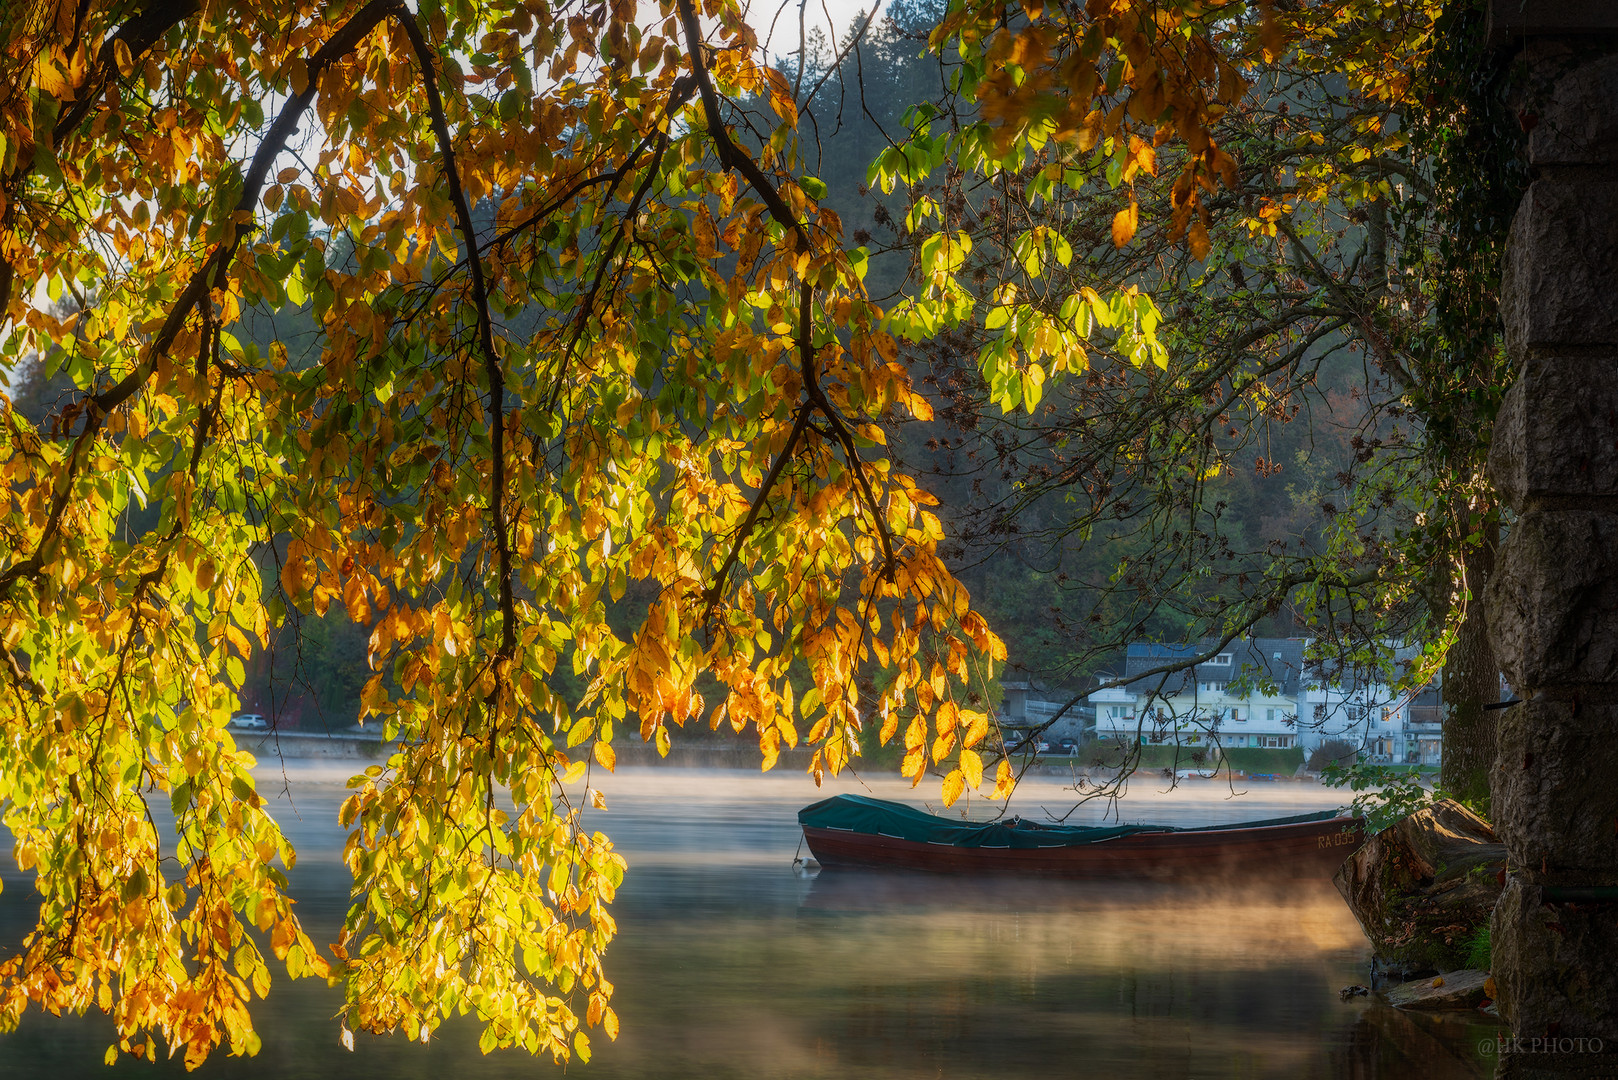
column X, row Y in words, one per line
column 265, row 745
column 1553, row 603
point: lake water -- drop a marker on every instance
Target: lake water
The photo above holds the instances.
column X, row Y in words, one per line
column 728, row 964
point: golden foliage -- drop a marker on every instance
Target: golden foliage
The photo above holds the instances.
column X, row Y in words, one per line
column 518, row 433
column 1121, row 78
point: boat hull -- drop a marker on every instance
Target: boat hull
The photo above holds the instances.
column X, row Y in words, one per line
column 1304, row 850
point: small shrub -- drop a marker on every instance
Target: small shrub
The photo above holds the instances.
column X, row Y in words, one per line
column 1333, row 752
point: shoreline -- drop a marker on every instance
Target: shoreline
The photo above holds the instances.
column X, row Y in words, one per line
column 363, row 746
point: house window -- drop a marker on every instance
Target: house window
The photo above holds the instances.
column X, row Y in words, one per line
column 1222, row 659
column 1320, row 712
column 1236, row 714
column 1387, row 715
column 1269, row 714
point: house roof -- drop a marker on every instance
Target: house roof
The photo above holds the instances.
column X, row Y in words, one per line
column 1261, row 660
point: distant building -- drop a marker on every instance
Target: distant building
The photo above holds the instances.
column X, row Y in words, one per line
column 1245, row 695
column 1389, row 726
column 1030, row 705
column 1258, row 692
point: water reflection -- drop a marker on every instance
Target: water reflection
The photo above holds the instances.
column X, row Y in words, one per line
column 729, row 965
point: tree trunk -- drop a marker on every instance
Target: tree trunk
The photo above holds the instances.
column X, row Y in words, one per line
column 1471, row 681
column 1376, row 248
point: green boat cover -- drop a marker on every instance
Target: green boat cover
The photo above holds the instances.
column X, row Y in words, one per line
column 857, row 813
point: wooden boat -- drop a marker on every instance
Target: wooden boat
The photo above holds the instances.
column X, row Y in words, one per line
column 855, row 831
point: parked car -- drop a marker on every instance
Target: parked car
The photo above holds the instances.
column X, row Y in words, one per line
column 250, row 721
column 1068, row 746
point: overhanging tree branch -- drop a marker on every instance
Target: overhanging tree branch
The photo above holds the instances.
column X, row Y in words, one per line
column 491, row 360
column 235, row 224
column 733, row 157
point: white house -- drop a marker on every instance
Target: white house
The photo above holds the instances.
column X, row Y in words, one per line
column 1389, row 726
column 1245, row 695
column 1258, row 692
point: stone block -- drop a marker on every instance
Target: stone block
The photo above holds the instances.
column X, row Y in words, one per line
column 1555, row 800
column 1452, row 990
column 1552, row 604
column 1510, row 20
column 1555, row 966
column 1561, row 267
column 1575, row 117
column 1557, row 432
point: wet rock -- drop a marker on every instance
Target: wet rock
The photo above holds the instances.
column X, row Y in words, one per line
column 1454, row 990
column 1386, row 973
column 1423, row 887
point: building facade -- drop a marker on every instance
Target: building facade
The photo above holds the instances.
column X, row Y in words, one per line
column 1028, row 705
column 1259, row 692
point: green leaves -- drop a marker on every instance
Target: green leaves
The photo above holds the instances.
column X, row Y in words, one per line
column 1032, row 343
column 1383, row 795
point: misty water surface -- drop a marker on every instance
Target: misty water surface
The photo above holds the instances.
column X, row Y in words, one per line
column 730, row 965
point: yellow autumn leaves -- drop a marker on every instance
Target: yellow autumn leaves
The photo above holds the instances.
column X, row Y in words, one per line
column 585, row 409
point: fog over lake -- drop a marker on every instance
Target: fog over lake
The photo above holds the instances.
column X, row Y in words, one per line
column 728, row 964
